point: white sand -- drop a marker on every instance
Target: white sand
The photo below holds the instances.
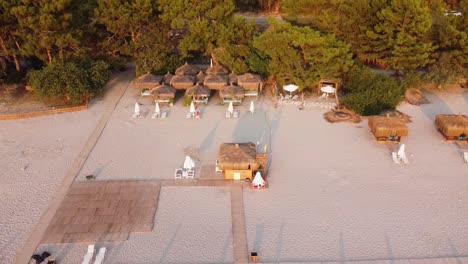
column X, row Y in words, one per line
column 192, row 225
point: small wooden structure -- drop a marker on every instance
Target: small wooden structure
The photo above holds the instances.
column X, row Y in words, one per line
column 215, row 82
column 148, row 81
column 335, row 83
column 199, row 93
column 182, row 82
column 386, row 128
column 167, row 78
column 238, row 161
column 252, row 83
column 453, row 127
column 232, row 93
column 187, row 69
column 163, row 93
column 217, row 69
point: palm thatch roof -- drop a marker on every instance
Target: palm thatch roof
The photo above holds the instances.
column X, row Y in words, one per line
column 249, row 81
column 182, row 81
column 415, row 97
column 232, row 91
column 238, row 156
column 187, row 69
column 342, row 115
column 198, row 90
column 163, row 91
column 217, row 69
column 200, row 77
column 385, row 126
column 148, row 81
column 216, row 82
column 232, row 78
column 167, row 78
column 452, row 125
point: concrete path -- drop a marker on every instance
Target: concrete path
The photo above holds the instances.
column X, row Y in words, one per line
column 115, row 91
column 239, row 236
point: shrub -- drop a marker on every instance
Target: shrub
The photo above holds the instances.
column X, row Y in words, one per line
column 369, row 93
column 187, row 100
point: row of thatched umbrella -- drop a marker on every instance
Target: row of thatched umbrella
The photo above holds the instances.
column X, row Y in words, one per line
column 165, row 91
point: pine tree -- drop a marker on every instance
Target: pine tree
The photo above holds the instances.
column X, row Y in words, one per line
column 9, row 40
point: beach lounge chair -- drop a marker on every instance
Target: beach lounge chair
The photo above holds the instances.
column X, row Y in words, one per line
column 100, row 256
column 198, row 114
column 89, row 255
column 178, row 174
column 188, row 116
column 235, row 114
column 163, row 115
column 228, row 114
column 190, row 174
column 395, row 158
column 402, row 155
column 155, row 115
column 465, row 156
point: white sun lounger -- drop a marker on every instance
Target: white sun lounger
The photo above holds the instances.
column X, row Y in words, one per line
column 89, row 255
column 228, row 114
column 465, row 156
column 190, row 174
column 235, row 114
column 163, row 115
column 189, row 115
column 100, row 256
column 178, row 174
column 395, row 158
column 155, row 115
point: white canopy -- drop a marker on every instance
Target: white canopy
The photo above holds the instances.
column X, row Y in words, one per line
column 290, row 87
column 252, row 107
column 328, row 89
column 137, row 108
column 192, row 108
column 258, row 180
column 188, row 163
column 156, row 108
column 230, row 108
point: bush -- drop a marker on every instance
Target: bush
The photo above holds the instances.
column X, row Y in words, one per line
column 187, row 100
column 369, row 93
column 71, row 81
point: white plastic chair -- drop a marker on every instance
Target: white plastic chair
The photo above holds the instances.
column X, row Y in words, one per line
column 178, row 174
column 100, row 256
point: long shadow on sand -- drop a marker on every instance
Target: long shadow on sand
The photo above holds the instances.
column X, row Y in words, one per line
column 465, row 96
column 208, row 141
column 437, row 106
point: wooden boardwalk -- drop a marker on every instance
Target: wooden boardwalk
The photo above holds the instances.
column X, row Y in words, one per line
column 239, row 236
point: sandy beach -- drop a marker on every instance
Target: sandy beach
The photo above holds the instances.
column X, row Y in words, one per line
column 334, row 193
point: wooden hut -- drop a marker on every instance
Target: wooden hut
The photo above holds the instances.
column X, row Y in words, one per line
column 199, row 93
column 453, row 127
column 387, row 128
column 237, row 160
column 163, row 93
column 167, row 78
column 187, row 69
column 182, row 82
column 215, row 82
column 217, row 69
column 335, row 83
column 232, row 93
column 148, row 81
column 251, row 83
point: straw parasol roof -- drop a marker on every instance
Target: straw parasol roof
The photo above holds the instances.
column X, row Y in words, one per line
column 148, row 81
column 167, row 78
column 232, row 91
column 200, row 77
column 397, row 114
column 240, row 156
column 163, row 91
column 217, row 69
column 187, row 69
column 415, row 97
column 232, row 78
column 182, row 81
column 249, row 81
column 452, row 125
column 384, row 126
column 198, row 90
column 342, row 115
column 215, row 82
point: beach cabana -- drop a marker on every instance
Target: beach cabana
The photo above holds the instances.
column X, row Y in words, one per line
column 216, row 69
column 148, row 81
column 453, row 127
column 387, row 128
column 182, row 82
column 199, row 93
column 252, row 83
column 187, row 69
column 163, row 93
column 232, row 93
column 215, row 82
column 238, row 160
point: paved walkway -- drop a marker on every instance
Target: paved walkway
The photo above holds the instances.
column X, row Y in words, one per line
column 111, row 99
column 239, row 236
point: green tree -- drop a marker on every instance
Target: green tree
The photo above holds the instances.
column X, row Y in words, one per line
column 9, row 40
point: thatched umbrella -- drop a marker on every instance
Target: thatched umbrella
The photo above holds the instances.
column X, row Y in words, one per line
column 232, row 91
column 217, row 69
column 167, row 78
column 251, row 82
column 163, row 91
column 148, row 81
column 187, row 69
column 182, row 81
column 342, row 115
column 200, row 77
column 232, row 78
column 387, row 127
column 240, row 156
column 415, row 97
column 198, row 91
column 215, row 82
column 452, row 126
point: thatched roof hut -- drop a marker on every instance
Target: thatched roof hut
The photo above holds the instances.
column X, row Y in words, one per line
column 187, row 69
column 232, row 91
column 216, row 69
column 182, row 81
column 163, row 91
column 232, row 78
column 200, row 77
column 198, row 90
column 250, row 81
column 342, row 115
column 415, row 97
column 238, row 156
column 452, row 125
column 215, row 82
column 167, row 78
column 148, row 81
column 387, row 126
